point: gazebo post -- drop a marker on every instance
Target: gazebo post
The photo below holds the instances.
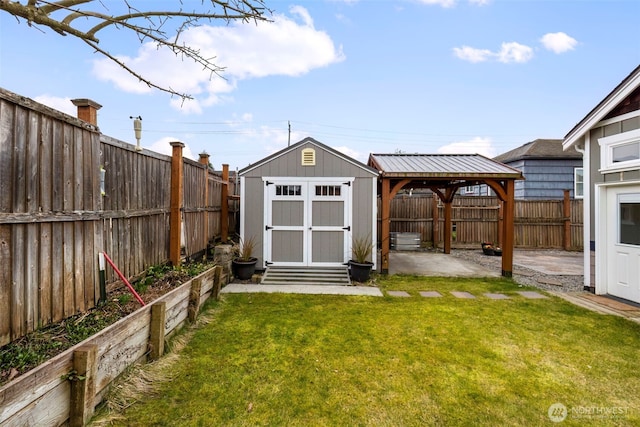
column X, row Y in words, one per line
column 447, row 226
column 384, row 226
column 508, row 228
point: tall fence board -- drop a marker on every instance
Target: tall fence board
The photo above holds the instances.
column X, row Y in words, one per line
column 538, row 223
column 56, row 215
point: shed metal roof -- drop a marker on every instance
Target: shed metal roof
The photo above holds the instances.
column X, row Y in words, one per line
column 441, row 166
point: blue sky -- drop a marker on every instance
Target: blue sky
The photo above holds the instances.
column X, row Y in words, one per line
column 362, row 76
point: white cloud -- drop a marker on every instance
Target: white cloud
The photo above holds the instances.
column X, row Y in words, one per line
column 354, row 154
column 471, row 54
column 443, row 3
column 509, row 52
column 452, row 3
column 57, row 103
column 558, row 42
column 289, row 46
column 514, row 52
column 477, row 145
column 163, row 146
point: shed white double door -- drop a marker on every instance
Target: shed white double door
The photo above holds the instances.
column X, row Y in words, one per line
column 622, row 241
column 307, row 221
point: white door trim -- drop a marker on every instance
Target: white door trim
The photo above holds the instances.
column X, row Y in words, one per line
column 603, row 197
column 308, row 197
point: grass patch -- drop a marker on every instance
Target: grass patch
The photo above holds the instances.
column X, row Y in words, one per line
column 282, row 359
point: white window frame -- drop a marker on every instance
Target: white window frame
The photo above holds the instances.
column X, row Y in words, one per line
column 607, row 145
column 578, row 194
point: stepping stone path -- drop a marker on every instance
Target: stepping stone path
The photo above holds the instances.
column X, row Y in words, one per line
column 430, row 294
column 496, row 296
column 467, row 295
column 402, row 294
column 531, row 295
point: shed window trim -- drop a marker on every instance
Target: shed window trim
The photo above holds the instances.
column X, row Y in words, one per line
column 612, row 148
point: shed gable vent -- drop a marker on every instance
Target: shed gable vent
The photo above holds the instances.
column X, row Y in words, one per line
column 308, row 157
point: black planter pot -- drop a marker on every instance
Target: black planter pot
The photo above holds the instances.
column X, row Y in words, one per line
column 243, row 270
column 360, row 272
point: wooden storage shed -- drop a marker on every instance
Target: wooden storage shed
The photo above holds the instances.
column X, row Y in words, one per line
column 304, row 204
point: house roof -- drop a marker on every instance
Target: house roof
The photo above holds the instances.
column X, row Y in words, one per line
column 599, row 112
column 539, row 149
column 308, row 141
column 452, row 166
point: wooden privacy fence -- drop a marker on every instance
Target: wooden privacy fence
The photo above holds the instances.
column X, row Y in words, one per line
column 548, row 224
column 67, row 192
column 66, row 389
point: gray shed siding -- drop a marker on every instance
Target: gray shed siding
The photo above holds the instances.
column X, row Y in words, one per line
column 288, row 164
column 252, row 216
column 327, row 165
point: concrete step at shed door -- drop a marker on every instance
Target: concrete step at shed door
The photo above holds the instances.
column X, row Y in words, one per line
column 306, row 276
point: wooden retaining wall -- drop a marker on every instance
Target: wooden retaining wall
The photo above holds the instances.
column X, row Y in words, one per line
column 67, row 388
column 67, row 193
column 544, row 224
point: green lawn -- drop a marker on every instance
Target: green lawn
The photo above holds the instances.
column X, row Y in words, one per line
column 300, row 360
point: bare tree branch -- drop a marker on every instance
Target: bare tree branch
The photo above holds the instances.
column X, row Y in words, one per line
column 145, row 24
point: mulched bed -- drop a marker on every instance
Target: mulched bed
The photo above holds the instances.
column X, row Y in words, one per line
column 26, row 353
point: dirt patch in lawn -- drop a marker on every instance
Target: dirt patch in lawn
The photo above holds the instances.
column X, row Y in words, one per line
column 27, row 352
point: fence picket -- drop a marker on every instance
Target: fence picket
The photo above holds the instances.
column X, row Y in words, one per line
column 538, row 223
column 54, row 220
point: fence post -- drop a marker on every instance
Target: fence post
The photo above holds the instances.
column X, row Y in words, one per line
column 156, row 333
column 176, row 201
column 217, row 281
column 224, row 204
column 204, row 159
column 83, row 387
column 566, row 212
column 194, row 299
column 435, row 226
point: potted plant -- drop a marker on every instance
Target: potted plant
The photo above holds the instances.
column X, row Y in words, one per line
column 359, row 265
column 487, row 248
column 244, row 265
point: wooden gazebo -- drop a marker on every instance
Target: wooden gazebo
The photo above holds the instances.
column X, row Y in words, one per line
column 444, row 174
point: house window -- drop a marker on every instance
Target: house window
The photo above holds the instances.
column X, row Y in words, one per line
column 629, row 219
column 620, row 152
column 578, row 183
column 327, row 190
column 288, row 190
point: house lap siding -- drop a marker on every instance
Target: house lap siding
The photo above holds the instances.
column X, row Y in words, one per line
column 545, row 178
column 596, row 177
column 599, row 178
column 289, row 164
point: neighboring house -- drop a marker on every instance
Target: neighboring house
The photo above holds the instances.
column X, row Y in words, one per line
column 609, row 136
column 548, row 170
column 304, row 204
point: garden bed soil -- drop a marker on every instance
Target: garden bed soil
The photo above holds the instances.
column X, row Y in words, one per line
column 35, row 348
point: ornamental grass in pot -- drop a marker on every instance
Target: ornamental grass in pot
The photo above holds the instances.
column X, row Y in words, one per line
column 244, row 265
column 360, row 265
